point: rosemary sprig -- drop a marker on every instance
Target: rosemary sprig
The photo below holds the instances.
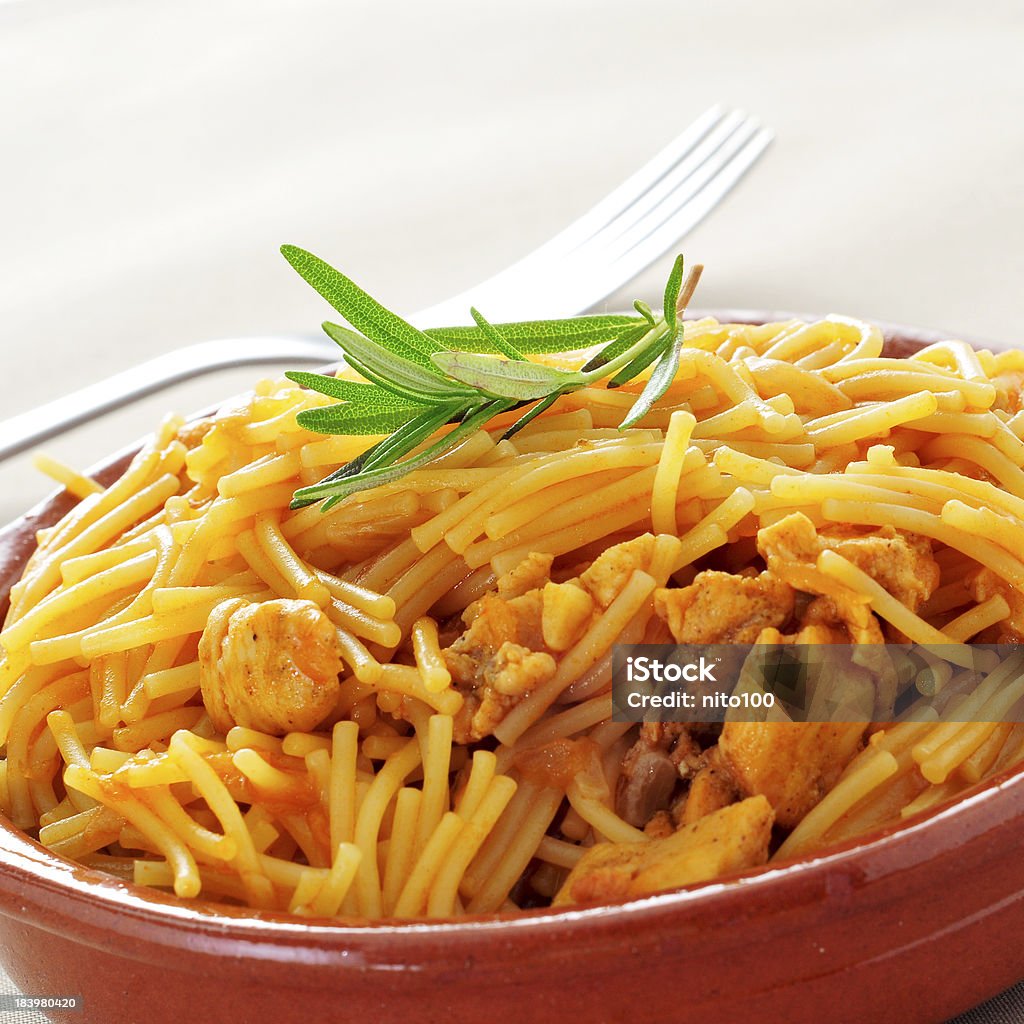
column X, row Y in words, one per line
column 421, row 381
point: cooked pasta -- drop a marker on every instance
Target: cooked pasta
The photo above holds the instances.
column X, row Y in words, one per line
column 400, row 707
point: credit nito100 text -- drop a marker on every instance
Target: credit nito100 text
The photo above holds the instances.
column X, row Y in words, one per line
column 645, row 670
column 717, row 699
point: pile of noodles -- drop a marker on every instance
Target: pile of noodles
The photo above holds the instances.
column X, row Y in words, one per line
column 109, row 754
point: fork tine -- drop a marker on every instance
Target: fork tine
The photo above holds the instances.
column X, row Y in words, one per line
column 684, row 191
column 639, row 183
column 690, row 213
column 601, row 276
column 562, row 274
column 650, row 202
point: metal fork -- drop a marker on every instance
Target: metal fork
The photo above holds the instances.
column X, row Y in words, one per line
column 594, row 256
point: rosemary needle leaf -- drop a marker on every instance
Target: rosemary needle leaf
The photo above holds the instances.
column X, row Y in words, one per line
column 407, row 437
column 362, row 311
column 630, row 337
column 496, row 338
column 647, row 355
column 369, row 397
column 413, row 433
column 538, row 337
column 353, row 419
column 386, row 474
column 645, row 311
column 545, row 403
column 342, row 473
column 672, row 286
column 502, row 378
column 419, row 381
column 663, row 375
column 391, row 371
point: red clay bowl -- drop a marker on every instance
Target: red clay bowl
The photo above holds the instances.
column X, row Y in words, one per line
column 910, row 924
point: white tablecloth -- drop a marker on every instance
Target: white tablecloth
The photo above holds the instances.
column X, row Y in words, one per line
column 154, row 156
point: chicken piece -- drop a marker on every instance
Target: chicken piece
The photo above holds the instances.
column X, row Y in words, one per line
column 731, row 839
column 536, row 618
column 1009, row 387
column 845, row 611
column 516, row 670
column 271, row 666
column 512, row 672
column 493, row 620
column 792, row 764
column 790, row 548
column 611, row 570
column 719, row 607
column 498, row 659
column 794, row 538
column 568, row 610
column 661, row 826
column 532, row 572
column 556, row 764
column 191, row 434
column 841, row 683
column 900, row 562
column 986, row 584
column 677, row 739
column 815, row 633
column 712, row 788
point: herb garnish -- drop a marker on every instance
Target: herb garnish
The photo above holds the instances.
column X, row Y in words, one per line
column 420, row 381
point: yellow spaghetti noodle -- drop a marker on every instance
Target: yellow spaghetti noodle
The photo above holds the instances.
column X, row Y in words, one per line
column 401, row 707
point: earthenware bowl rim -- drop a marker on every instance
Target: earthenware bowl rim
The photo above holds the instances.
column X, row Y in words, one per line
column 24, row 860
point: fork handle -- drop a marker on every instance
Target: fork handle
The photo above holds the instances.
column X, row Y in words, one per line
column 36, row 425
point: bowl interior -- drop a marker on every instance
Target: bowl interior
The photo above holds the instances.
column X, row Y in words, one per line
column 22, row 858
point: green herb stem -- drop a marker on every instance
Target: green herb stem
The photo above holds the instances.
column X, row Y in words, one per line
column 419, row 381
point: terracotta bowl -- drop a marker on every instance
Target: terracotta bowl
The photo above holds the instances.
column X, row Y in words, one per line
column 912, row 923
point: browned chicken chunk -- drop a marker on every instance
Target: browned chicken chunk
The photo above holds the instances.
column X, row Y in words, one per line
column 719, row 607
column 845, row 615
column 271, row 666
column 611, row 570
column 900, row 562
column 792, row 764
column 513, row 634
column 712, row 788
column 498, row 659
column 730, row 839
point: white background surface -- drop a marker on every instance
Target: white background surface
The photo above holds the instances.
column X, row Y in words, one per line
column 154, row 156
